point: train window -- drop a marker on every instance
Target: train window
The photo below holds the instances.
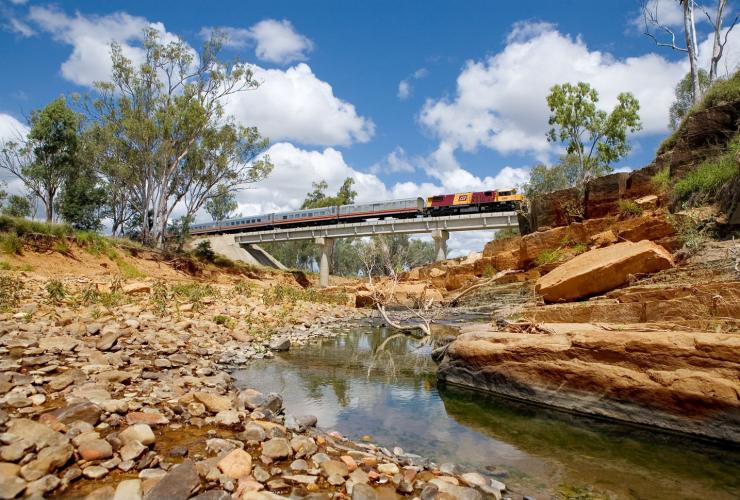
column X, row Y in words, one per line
column 488, row 193
column 438, row 198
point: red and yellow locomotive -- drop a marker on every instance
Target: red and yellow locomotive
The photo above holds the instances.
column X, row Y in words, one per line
column 473, row 202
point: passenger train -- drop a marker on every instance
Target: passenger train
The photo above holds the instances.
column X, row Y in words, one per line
column 433, row 206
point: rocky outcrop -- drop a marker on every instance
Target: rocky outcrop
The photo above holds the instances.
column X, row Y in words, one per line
column 602, row 270
column 681, row 381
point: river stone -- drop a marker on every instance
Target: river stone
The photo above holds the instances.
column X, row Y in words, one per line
column 334, row 467
column 41, row 486
column 58, row 343
column 11, row 487
column 15, row 450
column 95, row 449
column 34, row 432
column 250, row 399
column 301, row 479
column 303, row 446
column 139, row 432
column 389, row 469
column 280, row 344
column 459, row 492
column 272, row 402
column 146, row 417
column 254, row 432
column 300, row 423
column 227, row 418
column 96, row 393
column 299, row 465
column 260, row 474
column 132, row 450
column 276, row 448
column 128, row 489
column 361, row 491
column 213, row 402
column 48, row 460
column 108, row 340
column 236, row 464
column 177, row 484
column 429, row 492
column 94, row 472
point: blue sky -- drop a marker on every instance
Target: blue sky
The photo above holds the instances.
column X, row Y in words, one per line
column 409, row 98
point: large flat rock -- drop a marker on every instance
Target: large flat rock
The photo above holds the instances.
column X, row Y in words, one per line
column 677, row 380
column 601, row 270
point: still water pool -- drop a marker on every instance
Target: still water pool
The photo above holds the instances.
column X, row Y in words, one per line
column 395, row 399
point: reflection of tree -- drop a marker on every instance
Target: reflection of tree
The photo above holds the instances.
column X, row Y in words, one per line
column 599, row 452
column 341, row 390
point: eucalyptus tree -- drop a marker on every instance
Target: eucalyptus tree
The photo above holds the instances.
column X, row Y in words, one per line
column 160, row 112
column 221, row 204
column 43, row 158
column 593, row 138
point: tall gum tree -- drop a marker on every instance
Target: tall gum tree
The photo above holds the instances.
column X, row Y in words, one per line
column 159, row 117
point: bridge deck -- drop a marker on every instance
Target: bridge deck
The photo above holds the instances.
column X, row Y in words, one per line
column 468, row 222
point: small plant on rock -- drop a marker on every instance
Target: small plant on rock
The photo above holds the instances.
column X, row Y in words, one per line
column 56, row 291
column 548, row 257
column 11, row 243
column 226, row 321
column 629, row 208
column 10, row 292
column 160, row 297
column 662, row 180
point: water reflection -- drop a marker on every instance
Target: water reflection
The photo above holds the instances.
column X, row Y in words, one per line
column 537, row 451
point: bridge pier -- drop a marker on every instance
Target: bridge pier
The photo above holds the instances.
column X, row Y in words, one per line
column 327, row 248
column 440, row 237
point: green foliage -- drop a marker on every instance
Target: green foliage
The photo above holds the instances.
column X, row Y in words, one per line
column 11, row 289
column 89, row 295
column 629, row 208
column 595, row 138
column 507, row 232
column 689, row 233
column 11, row 243
column 5, row 266
column 62, row 247
column 579, row 248
column 701, row 185
column 221, row 204
column 226, row 321
column 110, row 300
column 548, row 257
column 56, row 291
column 17, row 206
column 193, row 292
column 160, row 297
column 244, row 288
column 684, row 97
column 203, row 251
column 82, row 199
column 489, row 271
column 662, row 180
column 22, row 227
column 721, row 91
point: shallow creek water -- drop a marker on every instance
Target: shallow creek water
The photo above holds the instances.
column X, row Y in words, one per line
column 539, row 452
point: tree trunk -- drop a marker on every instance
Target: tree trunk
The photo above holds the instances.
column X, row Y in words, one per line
column 690, row 36
column 49, row 202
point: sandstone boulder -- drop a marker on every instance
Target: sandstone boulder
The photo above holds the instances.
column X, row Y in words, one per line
column 601, row 270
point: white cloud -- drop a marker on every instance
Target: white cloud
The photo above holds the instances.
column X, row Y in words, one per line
column 295, row 105
column 278, row 42
column 666, row 12
column 404, row 90
column 18, row 2
column 396, row 161
column 17, row 26
column 10, row 128
column 90, row 38
column 500, row 101
column 274, row 41
column 405, row 87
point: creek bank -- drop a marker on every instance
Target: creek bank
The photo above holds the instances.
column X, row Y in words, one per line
column 680, row 381
column 91, row 400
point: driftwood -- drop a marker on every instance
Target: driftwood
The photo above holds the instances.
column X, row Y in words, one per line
column 456, row 299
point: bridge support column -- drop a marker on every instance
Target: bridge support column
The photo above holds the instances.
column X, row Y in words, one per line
column 327, row 248
column 440, row 237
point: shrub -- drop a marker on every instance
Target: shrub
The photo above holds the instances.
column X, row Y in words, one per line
column 507, row 232
column 11, row 243
column 203, row 251
column 629, row 208
column 548, row 257
column 701, row 185
column 244, row 288
column 62, row 247
column 4, row 266
column 662, row 180
column 579, row 248
column 689, row 234
column 160, row 297
column 282, row 294
column 56, row 291
column 226, row 321
column 109, row 300
column 10, row 292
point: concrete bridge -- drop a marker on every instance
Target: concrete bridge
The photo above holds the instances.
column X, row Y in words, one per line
column 324, row 236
